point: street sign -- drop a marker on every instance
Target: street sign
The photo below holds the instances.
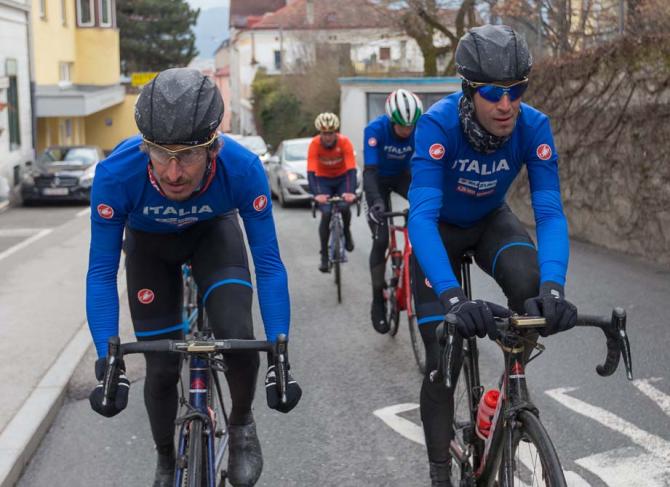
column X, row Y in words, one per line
column 142, row 78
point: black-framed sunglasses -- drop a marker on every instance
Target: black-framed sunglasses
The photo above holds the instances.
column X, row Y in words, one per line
column 494, row 92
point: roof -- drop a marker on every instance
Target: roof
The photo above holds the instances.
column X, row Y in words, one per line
column 327, row 14
column 241, row 9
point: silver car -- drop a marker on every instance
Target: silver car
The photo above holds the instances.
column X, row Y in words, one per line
column 287, row 172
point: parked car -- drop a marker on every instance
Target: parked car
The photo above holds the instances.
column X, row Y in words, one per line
column 287, row 172
column 61, row 173
column 257, row 145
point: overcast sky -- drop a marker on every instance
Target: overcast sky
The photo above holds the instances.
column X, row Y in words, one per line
column 205, row 4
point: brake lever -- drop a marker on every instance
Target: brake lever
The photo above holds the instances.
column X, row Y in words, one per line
column 113, row 356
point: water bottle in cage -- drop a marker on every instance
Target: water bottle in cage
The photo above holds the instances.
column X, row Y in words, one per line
column 485, row 412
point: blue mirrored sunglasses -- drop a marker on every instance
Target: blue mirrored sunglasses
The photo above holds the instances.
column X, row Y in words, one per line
column 494, row 93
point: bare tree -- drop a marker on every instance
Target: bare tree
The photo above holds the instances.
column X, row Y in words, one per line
column 434, row 26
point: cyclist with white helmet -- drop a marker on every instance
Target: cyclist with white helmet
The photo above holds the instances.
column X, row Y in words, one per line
column 331, row 170
column 470, row 147
column 176, row 190
column 389, row 145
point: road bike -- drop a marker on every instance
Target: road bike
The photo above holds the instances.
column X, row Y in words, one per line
column 203, row 422
column 337, row 254
column 398, row 290
column 517, row 450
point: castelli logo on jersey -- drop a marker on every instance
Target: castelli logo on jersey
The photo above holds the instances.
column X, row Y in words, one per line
column 260, row 202
column 145, row 296
column 436, row 151
column 372, row 142
column 428, row 283
column 543, row 151
column 105, row 211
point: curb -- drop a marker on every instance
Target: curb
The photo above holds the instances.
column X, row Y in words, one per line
column 4, row 205
column 24, row 433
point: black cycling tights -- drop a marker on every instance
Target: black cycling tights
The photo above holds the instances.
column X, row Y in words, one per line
column 324, row 226
column 217, row 253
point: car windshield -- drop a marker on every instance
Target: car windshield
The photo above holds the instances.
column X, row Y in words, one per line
column 254, row 143
column 296, row 151
column 84, row 156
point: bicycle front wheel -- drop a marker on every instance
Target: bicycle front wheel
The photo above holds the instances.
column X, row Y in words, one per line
column 196, row 474
column 393, row 312
column 534, row 462
column 415, row 335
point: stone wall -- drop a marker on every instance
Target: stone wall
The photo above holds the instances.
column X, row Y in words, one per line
column 611, row 123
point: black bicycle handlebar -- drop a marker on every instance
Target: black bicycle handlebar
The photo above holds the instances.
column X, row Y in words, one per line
column 614, row 330
column 116, row 351
column 337, row 199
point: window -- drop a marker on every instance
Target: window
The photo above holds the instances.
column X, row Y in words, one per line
column 43, row 9
column 63, row 11
column 64, row 74
column 105, row 13
column 13, row 105
column 278, row 60
column 384, row 53
column 85, row 13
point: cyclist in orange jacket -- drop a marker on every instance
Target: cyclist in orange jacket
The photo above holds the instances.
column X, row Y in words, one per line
column 331, row 170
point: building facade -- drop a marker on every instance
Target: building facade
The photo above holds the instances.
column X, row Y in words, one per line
column 78, row 95
column 16, row 138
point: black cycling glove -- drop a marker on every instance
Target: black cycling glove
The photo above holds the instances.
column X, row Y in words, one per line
column 474, row 317
column 375, row 212
column 560, row 314
column 120, row 387
column 293, row 390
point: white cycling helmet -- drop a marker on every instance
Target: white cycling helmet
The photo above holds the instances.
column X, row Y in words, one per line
column 403, row 107
column 327, row 122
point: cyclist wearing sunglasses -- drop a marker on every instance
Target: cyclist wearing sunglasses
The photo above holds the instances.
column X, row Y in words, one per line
column 389, row 145
column 331, row 171
column 176, row 190
column 470, row 147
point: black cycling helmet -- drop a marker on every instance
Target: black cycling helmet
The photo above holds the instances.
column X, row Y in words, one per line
column 179, row 106
column 493, row 53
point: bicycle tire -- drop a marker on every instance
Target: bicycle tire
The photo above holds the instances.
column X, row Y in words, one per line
column 531, row 434
column 196, row 471
column 463, row 426
column 220, row 424
column 337, row 259
column 415, row 335
column 393, row 313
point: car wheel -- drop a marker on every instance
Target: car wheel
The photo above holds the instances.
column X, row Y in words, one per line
column 280, row 195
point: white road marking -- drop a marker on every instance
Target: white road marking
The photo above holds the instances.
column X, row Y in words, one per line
column 19, row 232
column 84, row 212
column 25, row 243
column 659, row 397
column 648, row 460
column 405, row 427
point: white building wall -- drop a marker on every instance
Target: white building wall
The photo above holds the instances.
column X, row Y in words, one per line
column 14, row 45
column 354, row 100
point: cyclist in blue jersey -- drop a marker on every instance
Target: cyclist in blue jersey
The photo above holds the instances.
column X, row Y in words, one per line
column 389, row 145
column 176, row 190
column 470, row 146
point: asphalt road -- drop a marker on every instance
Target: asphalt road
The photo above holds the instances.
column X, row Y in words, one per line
column 608, row 431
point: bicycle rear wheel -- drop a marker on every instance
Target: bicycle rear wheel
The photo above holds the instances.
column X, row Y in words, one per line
column 535, row 462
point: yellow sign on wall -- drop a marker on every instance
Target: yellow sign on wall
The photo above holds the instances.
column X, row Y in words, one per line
column 141, row 79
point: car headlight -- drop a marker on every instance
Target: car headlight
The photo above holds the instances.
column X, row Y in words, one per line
column 86, row 180
column 291, row 176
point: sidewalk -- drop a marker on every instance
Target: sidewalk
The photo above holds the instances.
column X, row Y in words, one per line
column 43, row 336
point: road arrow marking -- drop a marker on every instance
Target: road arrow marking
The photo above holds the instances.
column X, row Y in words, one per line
column 405, row 427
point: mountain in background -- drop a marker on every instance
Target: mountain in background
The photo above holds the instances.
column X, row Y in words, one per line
column 210, row 30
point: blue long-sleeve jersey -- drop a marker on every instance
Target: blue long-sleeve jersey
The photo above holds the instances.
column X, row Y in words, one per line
column 384, row 149
column 123, row 194
column 453, row 183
